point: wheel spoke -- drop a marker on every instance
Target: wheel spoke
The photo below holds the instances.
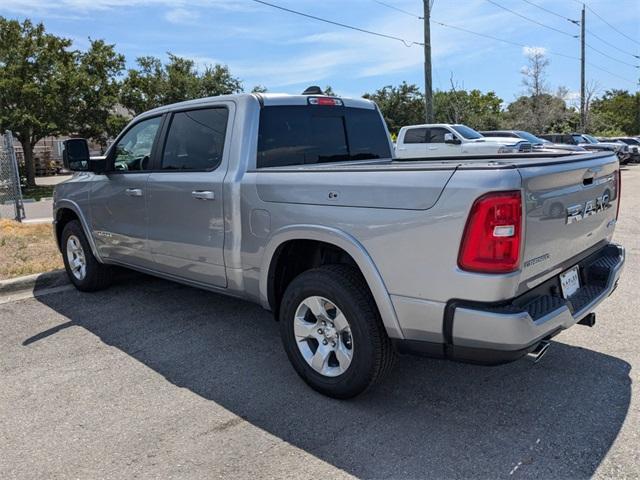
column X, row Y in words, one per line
column 344, row 356
column 316, row 305
column 319, row 359
column 340, row 322
column 304, row 329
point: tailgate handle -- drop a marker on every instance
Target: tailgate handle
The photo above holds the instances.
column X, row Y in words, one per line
column 589, row 176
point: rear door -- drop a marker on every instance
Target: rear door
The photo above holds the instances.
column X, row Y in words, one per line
column 570, row 207
column 414, row 143
column 186, row 223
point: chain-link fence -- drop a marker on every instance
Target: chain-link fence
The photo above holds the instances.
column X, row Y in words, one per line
column 10, row 193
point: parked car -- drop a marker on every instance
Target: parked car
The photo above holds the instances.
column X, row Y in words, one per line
column 437, row 140
column 632, row 142
column 589, row 142
column 295, row 202
column 536, row 142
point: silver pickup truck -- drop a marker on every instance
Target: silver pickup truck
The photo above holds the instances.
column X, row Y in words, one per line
column 295, row 202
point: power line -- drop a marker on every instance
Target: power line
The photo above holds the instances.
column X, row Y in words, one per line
column 532, row 20
column 398, row 9
column 614, row 28
column 610, row 57
column 612, row 45
column 407, row 43
column 491, row 37
column 575, row 22
column 522, row 45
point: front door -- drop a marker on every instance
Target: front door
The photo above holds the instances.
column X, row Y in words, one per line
column 436, row 144
column 119, row 198
column 186, row 223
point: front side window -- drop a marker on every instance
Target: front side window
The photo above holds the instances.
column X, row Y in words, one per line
column 299, row 135
column 133, row 150
column 195, row 140
column 436, row 135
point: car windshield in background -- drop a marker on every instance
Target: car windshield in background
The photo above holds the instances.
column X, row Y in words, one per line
column 466, row 132
column 299, row 135
column 529, row 137
column 581, row 139
column 591, row 139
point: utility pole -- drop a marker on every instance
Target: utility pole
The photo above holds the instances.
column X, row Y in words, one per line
column 583, row 106
column 428, row 87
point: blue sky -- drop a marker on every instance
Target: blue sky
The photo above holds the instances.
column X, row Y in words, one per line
column 286, row 53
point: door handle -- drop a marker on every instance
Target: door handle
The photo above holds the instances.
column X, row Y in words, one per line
column 133, row 192
column 203, row 195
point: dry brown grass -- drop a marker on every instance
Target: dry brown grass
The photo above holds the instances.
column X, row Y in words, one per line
column 27, row 249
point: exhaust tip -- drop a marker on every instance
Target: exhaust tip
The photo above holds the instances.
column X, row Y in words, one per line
column 589, row 320
column 538, row 352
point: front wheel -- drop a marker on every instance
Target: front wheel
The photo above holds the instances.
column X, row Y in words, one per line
column 83, row 269
column 332, row 331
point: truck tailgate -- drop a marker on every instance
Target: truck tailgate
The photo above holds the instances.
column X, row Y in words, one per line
column 570, row 206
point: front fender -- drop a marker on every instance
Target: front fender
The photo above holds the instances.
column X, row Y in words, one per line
column 350, row 245
column 75, row 208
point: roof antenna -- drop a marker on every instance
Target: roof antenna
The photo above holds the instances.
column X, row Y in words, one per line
column 313, row 90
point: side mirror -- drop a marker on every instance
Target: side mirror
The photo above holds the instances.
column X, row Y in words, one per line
column 451, row 139
column 75, row 157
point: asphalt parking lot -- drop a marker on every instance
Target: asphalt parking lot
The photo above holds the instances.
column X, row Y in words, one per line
column 151, row 379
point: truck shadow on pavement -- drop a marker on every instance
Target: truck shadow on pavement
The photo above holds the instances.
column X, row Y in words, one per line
column 430, row 418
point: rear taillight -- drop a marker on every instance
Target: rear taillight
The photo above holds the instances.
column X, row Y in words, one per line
column 618, row 192
column 493, row 234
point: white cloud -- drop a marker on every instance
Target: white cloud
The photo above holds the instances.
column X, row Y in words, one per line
column 529, row 51
column 181, row 16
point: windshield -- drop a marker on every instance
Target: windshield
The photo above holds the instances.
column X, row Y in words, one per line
column 581, row 139
column 629, row 141
column 529, row 137
column 591, row 139
column 466, row 132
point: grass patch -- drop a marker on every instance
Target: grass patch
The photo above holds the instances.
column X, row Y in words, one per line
column 27, row 249
column 38, row 192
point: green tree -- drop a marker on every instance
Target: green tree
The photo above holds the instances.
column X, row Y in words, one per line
column 544, row 113
column 153, row 84
column 36, row 83
column 616, row 111
column 400, row 105
column 46, row 88
column 97, row 90
column 473, row 108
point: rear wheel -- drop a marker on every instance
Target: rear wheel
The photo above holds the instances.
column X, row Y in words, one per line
column 83, row 269
column 332, row 331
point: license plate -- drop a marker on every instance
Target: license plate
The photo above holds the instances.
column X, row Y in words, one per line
column 570, row 282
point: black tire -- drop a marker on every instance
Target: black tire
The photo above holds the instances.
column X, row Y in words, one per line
column 373, row 352
column 97, row 276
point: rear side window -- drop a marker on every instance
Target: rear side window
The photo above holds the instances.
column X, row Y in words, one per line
column 415, row 135
column 299, row 135
column 195, row 140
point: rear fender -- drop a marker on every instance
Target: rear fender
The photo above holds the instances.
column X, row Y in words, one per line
column 350, row 245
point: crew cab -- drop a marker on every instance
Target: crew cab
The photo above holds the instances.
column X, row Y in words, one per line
column 295, row 202
column 437, row 140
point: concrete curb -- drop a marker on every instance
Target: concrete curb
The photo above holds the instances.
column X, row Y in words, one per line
column 38, row 281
